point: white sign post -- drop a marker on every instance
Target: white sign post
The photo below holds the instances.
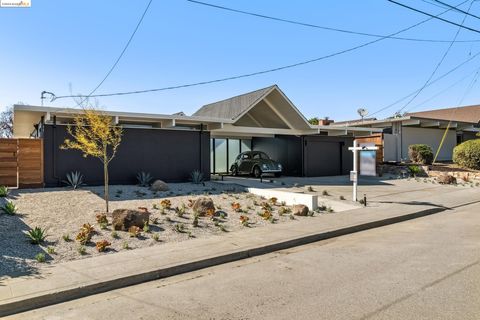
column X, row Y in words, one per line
column 354, row 174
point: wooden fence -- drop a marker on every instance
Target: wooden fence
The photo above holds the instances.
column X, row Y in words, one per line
column 21, row 163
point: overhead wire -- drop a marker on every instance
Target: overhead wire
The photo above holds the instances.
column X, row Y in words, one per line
column 310, row 25
column 293, row 65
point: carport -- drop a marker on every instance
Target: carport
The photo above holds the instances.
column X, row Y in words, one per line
column 266, row 120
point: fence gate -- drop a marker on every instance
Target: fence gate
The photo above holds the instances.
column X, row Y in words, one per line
column 21, row 163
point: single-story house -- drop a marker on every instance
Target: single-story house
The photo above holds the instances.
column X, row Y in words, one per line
column 425, row 127
column 170, row 147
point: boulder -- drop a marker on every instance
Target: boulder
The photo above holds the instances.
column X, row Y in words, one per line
column 446, row 179
column 123, row 219
column 300, row 210
column 159, row 185
column 202, row 205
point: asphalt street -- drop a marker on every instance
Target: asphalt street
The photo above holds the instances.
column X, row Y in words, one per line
column 427, row 268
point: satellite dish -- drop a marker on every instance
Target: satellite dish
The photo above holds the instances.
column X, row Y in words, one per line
column 362, row 112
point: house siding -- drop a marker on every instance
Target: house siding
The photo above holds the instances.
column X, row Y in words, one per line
column 169, row 155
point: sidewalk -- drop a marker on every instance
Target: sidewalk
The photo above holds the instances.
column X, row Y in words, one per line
column 74, row 279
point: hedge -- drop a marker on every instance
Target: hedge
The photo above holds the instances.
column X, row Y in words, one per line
column 420, row 153
column 467, row 154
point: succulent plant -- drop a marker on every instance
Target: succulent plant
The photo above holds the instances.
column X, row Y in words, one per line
column 9, row 208
column 74, row 179
column 197, row 177
column 144, row 179
column 134, row 231
column 36, row 235
column 102, row 245
column 3, row 191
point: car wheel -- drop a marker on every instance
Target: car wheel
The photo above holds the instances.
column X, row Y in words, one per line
column 257, row 172
column 234, row 171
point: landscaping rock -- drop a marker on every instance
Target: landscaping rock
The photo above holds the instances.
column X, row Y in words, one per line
column 300, row 210
column 123, row 219
column 202, row 205
column 447, row 179
column 159, row 185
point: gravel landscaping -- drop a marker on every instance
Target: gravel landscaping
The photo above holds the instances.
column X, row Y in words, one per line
column 63, row 211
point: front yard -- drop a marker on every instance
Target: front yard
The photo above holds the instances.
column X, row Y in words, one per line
column 63, row 211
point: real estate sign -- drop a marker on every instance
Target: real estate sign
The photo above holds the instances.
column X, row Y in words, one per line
column 368, row 160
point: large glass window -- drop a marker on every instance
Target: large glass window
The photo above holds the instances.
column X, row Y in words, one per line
column 246, row 145
column 212, row 156
column 221, row 155
column 233, row 151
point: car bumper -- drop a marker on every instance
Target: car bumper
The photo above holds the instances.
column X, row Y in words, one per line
column 271, row 170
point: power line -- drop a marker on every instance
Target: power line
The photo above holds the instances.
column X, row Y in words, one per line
column 439, row 62
column 119, row 57
column 257, row 72
column 431, row 82
column 304, row 24
column 457, row 9
column 433, row 16
column 445, row 89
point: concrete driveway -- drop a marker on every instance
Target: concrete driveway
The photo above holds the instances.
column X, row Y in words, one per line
column 426, row 268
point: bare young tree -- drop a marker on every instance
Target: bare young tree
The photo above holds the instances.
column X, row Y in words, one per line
column 6, row 123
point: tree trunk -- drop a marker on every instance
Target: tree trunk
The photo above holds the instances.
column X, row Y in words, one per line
column 105, row 178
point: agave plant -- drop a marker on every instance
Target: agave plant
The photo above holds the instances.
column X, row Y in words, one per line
column 197, row 177
column 9, row 208
column 3, row 191
column 36, row 235
column 74, row 180
column 144, row 178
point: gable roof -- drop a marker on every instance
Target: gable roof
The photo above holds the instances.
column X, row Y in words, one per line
column 468, row 114
column 232, row 108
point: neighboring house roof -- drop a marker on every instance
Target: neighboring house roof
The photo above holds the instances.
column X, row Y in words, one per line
column 233, row 107
column 352, row 122
column 468, row 114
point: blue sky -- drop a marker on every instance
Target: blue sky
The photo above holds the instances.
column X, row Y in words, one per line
column 55, row 44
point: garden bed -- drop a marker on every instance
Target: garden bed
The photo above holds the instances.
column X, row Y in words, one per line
column 63, row 211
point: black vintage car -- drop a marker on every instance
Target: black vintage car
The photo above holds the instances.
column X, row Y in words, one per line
column 255, row 163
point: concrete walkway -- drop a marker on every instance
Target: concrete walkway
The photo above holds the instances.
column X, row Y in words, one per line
column 66, row 281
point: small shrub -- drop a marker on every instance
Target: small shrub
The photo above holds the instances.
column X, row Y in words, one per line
column 144, row 179
column 166, row 204
column 222, row 228
column 310, row 189
column 83, row 237
column 325, row 193
column 236, row 206
column 211, row 212
column 180, row 228
column 244, row 220
column 267, row 214
column 341, row 198
column 414, row 170
column 420, row 153
column 273, row 200
column 195, row 220
column 36, row 235
column 102, row 245
column 40, row 257
column 101, row 218
column 146, row 227
column 74, row 179
column 66, row 237
column 180, row 211
column 3, row 191
column 50, row 250
column 196, row 176
column 284, row 210
column 467, row 154
column 125, row 245
column 114, row 235
column 329, row 209
column 266, row 206
column 82, row 250
column 9, row 208
column 134, row 231
column 155, row 237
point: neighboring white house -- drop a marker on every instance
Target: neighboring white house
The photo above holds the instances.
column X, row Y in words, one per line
column 426, row 127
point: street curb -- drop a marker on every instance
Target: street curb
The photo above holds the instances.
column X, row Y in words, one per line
column 100, row 287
